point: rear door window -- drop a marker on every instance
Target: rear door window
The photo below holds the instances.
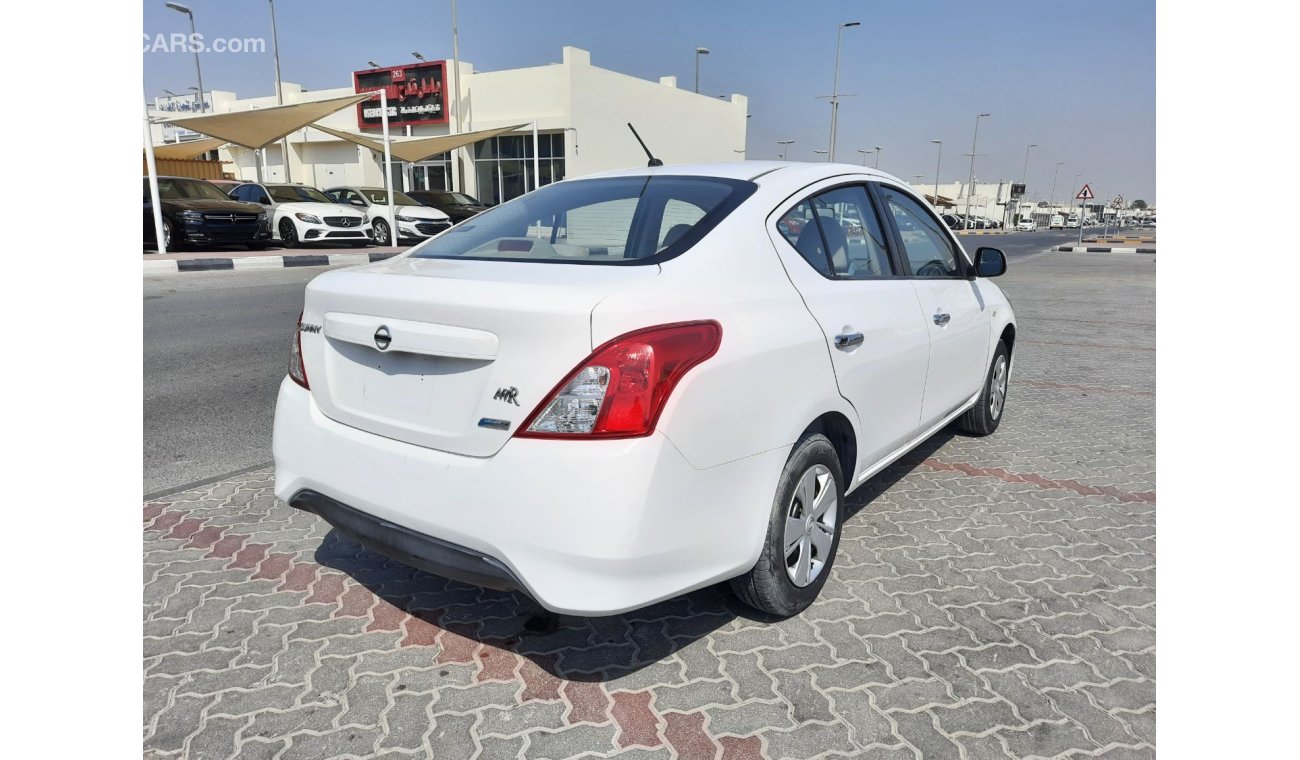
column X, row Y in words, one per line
column 839, row 234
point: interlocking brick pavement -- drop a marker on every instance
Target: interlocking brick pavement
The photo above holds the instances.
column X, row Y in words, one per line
column 993, row 598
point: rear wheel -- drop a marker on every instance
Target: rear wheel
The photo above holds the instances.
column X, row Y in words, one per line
column 984, row 417
column 803, row 532
column 288, row 233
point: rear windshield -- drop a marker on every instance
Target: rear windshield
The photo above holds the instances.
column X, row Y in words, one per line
column 619, row 220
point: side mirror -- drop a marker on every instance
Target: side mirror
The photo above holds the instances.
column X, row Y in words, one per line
column 990, row 262
column 356, row 202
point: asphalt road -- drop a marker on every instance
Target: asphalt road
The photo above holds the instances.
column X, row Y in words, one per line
column 216, row 345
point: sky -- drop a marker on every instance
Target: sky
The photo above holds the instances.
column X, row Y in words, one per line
column 1078, row 80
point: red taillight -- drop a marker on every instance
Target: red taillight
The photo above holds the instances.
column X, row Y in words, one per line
column 297, row 371
column 620, row 390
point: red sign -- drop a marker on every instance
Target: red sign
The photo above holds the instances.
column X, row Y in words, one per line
column 415, row 94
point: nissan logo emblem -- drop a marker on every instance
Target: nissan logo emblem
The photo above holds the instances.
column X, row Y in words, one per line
column 383, row 338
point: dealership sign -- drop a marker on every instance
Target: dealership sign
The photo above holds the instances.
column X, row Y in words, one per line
column 415, row 94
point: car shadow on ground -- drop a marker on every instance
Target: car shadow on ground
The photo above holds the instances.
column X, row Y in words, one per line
column 568, row 646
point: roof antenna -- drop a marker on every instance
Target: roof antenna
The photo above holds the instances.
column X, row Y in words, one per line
column 653, row 161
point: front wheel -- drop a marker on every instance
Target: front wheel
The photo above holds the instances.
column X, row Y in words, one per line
column 382, row 236
column 288, row 233
column 983, row 418
column 803, row 532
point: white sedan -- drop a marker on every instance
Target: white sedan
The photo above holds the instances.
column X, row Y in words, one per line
column 614, row 390
column 303, row 214
column 415, row 222
column 1027, row 225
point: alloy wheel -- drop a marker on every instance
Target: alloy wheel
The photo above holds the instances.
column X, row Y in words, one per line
column 810, row 525
column 998, row 388
column 381, row 233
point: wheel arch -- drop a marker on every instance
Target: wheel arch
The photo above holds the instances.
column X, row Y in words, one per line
column 839, row 431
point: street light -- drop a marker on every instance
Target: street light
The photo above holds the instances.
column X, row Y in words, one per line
column 878, row 149
column 1073, row 184
column 418, row 57
column 821, row 152
column 835, row 89
column 1025, row 174
column 1052, row 198
column 197, row 69
column 373, row 65
column 699, row 51
column 864, row 153
column 937, row 162
column 279, row 92
column 970, row 183
column 783, row 143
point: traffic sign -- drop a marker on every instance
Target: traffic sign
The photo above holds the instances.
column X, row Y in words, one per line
column 1085, row 194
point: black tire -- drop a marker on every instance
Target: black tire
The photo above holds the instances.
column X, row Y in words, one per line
column 170, row 239
column 768, row 586
column 983, row 418
column 289, row 233
column 382, row 234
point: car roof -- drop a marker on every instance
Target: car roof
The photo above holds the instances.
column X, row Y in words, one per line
column 754, row 171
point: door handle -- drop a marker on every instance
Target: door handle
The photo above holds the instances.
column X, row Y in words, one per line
column 942, row 319
column 845, row 341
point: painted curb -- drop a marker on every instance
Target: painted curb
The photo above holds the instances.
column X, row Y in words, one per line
column 1100, row 249
column 171, row 266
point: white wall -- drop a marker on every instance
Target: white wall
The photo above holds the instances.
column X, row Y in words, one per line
column 679, row 126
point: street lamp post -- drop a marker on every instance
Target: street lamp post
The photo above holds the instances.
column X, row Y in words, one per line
column 279, row 92
column 835, row 88
column 699, row 51
column 865, row 153
column 878, row 149
column 821, row 152
column 1025, row 173
column 1073, row 184
column 783, row 143
column 937, row 161
column 970, row 183
column 1052, row 198
column 197, row 68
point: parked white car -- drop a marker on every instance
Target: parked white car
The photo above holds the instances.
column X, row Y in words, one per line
column 414, row 221
column 1027, row 225
column 614, row 390
column 302, row 214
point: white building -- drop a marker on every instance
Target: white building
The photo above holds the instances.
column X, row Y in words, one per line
column 581, row 112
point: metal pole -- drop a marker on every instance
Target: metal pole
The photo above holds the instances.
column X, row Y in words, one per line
column 459, row 175
column 1025, row 174
column 203, row 106
column 279, row 93
column 937, row 162
column 257, row 163
column 970, row 183
column 388, row 168
column 1052, row 198
column 835, row 93
column 537, row 164
column 152, row 165
column 1083, row 214
column 878, row 149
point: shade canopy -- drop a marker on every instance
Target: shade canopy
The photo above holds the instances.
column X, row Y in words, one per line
column 419, row 148
column 262, row 126
column 187, row 149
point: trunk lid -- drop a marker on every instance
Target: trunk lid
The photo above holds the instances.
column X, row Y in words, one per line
column 462, row 342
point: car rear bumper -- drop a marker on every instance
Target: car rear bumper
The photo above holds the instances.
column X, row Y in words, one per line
column 583, row 527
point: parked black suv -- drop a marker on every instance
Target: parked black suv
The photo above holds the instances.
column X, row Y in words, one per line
column 458, row 206
column 195, row 212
